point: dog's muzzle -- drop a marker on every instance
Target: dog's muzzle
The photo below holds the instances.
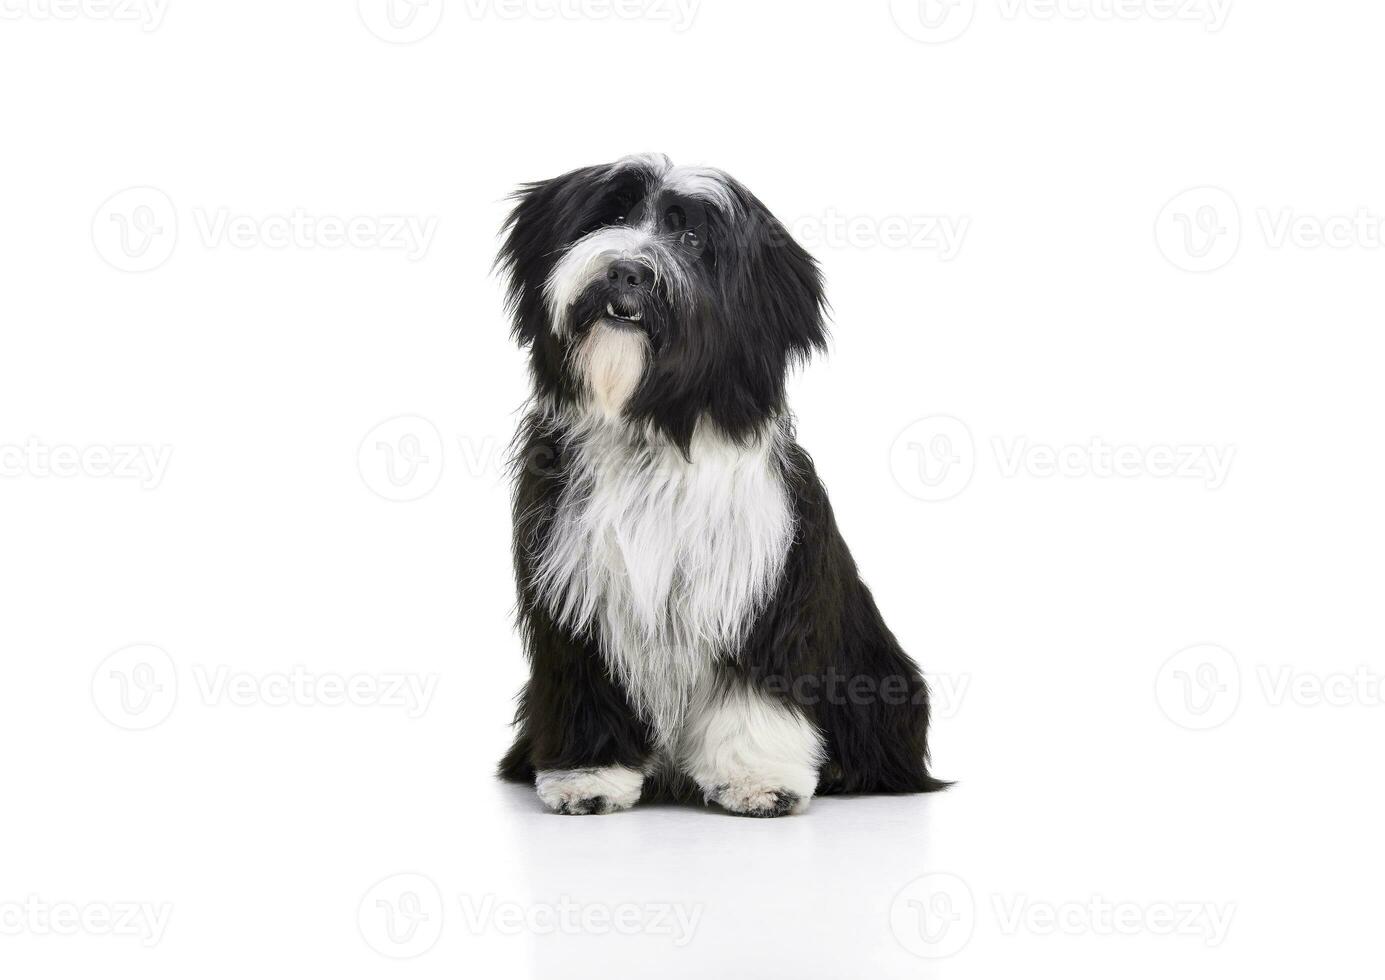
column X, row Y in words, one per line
column 628, row 285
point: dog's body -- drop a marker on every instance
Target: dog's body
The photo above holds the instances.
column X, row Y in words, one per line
column 692, row 616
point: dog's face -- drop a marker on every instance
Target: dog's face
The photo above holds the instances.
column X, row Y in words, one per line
column 659, row 294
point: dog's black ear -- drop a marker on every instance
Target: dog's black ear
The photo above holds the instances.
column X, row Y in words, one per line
column 776, row 282
column 766, row 312
column 545, row 212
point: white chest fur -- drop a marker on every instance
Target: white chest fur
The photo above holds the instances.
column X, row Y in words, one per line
column 666, row 560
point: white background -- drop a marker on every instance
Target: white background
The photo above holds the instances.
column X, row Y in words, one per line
column 1142, row 277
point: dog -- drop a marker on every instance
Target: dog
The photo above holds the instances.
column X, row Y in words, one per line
column 693, row 620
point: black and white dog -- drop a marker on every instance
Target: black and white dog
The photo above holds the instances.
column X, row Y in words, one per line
column 693, row 620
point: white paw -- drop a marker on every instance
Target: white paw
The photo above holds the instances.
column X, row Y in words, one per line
column 750, row 797
column 599, row 790
column 750, row 753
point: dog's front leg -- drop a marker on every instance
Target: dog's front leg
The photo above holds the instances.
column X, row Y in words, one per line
column 748, row 751
column 578, row 735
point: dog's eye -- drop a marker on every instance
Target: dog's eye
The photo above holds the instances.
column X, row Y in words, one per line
column 620, row 219
column 691, row 238
column 675, row 219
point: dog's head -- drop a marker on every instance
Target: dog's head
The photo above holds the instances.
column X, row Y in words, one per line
column 659, row 294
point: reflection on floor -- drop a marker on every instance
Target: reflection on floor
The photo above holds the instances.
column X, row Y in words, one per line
column 700, row 892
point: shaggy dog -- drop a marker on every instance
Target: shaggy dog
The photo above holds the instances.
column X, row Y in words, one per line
column 694, row 623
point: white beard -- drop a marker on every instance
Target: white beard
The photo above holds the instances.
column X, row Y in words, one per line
column 610, row 361
column 665, row 561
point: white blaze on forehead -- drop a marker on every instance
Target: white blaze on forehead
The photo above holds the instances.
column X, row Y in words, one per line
column 703, row 183
column 656, row 163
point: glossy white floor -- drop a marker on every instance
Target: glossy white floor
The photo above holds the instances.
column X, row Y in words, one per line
column 736, row 881
column 1119, row 875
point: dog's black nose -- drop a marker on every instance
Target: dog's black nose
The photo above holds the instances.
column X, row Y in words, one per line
column 626, row 273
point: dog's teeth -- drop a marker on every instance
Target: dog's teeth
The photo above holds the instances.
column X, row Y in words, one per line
column 611, row 311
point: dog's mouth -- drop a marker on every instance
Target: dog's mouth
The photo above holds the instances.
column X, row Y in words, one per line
column 625, row 310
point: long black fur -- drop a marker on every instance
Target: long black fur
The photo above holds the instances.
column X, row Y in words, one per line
column 721, row 357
